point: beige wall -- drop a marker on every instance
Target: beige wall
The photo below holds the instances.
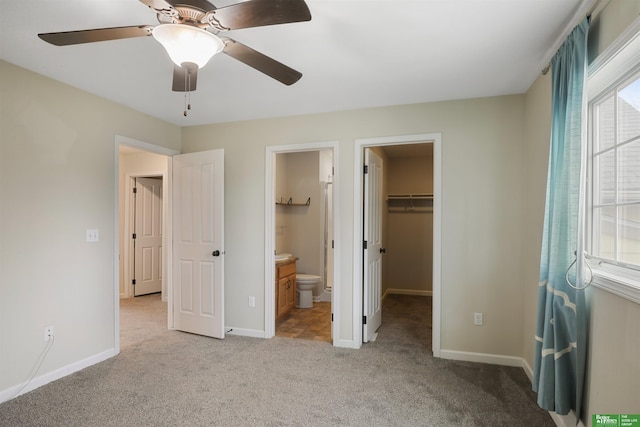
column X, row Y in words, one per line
column 57, row 179
column 537, row 131
column 482, row 209
column 613, row 364
column 299, row 228
column 409, row 234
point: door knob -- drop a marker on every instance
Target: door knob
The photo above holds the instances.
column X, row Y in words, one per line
column 216, row 253
column 383, row 250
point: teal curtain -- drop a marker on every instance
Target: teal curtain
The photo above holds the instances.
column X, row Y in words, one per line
column 561, row 319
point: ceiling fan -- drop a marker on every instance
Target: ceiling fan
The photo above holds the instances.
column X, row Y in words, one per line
column 189, row 30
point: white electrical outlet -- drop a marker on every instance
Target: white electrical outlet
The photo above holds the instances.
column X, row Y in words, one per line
column 478, row 319
column 48, row 333
column 252, row 301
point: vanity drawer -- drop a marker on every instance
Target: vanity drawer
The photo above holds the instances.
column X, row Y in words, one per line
column 287, row 269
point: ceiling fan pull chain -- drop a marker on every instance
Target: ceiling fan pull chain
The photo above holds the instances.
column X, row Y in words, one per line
column 187, row 92
column 185, row 95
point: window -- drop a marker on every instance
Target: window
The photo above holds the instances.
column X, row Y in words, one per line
column 612, row 223
column 615, row 131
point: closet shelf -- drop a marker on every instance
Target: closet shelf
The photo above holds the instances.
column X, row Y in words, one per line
column 403, row 197
column 290, row 202
column 410, row 202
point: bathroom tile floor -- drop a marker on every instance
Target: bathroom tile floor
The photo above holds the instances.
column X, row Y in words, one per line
column 307, row 323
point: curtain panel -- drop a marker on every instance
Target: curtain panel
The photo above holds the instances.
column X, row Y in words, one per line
column 561, row 316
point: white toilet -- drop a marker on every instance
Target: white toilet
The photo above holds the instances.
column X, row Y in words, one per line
column 304, row 289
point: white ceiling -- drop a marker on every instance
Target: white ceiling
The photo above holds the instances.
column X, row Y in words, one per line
column 352, row 54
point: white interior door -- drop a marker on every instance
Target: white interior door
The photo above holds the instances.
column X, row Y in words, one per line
column 372, row 274
column 147, row 277
column 198, row 243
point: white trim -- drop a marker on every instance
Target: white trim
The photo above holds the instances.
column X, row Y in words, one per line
column 145, row 146
column 527, row 369
column 359, row 145
column 168, row 234
column 241, row 332
column 57, row 374
column 347, row 344
column 128, row 255
column 269, row 241
column 617, row 285
column 608, row 70
column 628, row 36
column 493, row 359
column 615, row 62
column 569, row 420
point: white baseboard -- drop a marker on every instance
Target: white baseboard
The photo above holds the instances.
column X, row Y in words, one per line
column 527, row 370
column 346, row 344
column 568, row 420
column 493, row 359
column 414, row 292
column 253, row 333
column 56, row 375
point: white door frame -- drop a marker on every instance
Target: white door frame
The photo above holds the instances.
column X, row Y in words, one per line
column 358, row 238
column 167, row 232
column 269, row 241
column 129, row 254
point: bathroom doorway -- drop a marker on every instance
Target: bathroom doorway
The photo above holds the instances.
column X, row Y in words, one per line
column 300, row 240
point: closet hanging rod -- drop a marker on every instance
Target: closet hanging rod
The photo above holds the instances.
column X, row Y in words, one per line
column 423, row 196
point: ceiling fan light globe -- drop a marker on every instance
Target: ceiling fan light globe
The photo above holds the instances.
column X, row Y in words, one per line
column 185, row 43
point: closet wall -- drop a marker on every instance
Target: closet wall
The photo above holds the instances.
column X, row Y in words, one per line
column 409, row 226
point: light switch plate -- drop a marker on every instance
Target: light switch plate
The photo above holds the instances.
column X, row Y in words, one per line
column 93, row 235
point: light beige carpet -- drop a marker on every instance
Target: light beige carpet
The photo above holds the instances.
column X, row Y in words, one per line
column 170, row 378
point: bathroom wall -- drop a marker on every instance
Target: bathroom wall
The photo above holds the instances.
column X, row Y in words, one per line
column 299, row 228
column 409, row 234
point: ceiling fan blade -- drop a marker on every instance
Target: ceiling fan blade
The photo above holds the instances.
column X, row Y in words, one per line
column 157, row 4
column 261, row 62
column 184, row 78
column 203, row 5
column 97, row 35
column 259, row 13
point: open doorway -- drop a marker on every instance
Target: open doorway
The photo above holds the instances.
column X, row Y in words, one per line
column 406, row 233
column 410, row 223
column 136, row 159
column 142, row 222
column 301, row 261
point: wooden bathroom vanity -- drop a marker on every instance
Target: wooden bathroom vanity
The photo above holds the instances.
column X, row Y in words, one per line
column 285, row 286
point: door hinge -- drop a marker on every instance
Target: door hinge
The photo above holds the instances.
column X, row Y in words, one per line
column 364, row 320
column 366, row 169
column 133, row 236
column 365, row 244
column 133, row 282
column 332, row 317
column 333, row 244
column 135, row 190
